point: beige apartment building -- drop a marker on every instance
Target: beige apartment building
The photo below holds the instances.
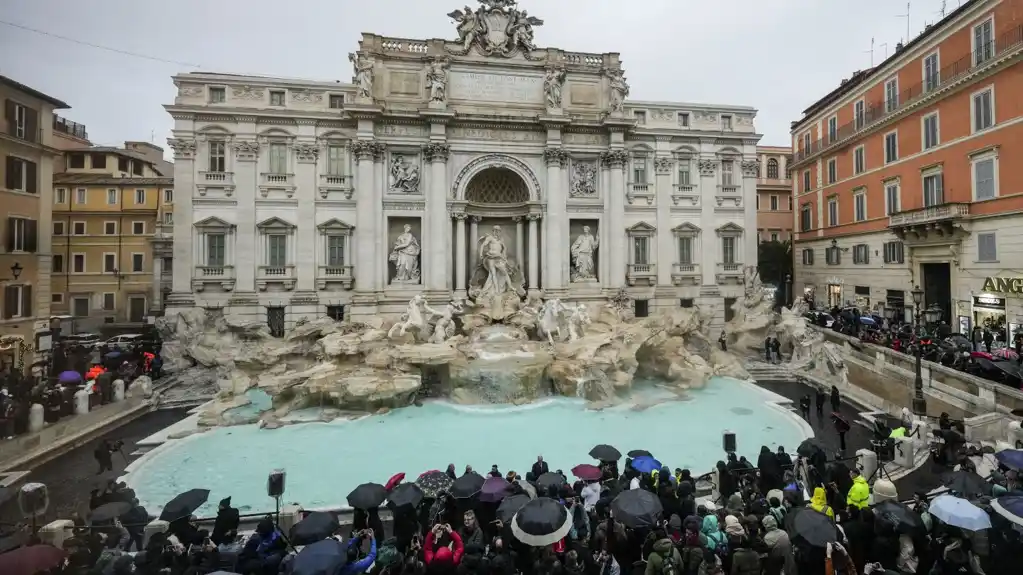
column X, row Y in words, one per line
column 26, row 177
column 774, row 194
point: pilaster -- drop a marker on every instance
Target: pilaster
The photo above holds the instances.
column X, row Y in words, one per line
column 306, row 157
column 438, row 273
column 708, row 189
column 556, row 263
column 246, row 184
column 366, row 276
column 184, row 191
column 750, row 167
column 663, row 167
column 616, row 160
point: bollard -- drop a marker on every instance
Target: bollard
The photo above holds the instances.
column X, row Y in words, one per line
column 905, row 452
column 118, row 390
column 290, row 515
column 866, row 462
column 36, row 417
column 81, row 402
column 155, row 526
column 56, row 532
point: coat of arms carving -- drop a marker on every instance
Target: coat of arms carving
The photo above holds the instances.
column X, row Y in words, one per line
column 497, row 28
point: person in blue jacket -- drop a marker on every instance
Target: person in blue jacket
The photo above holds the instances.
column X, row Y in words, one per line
column 264, row 551
column 354, row 565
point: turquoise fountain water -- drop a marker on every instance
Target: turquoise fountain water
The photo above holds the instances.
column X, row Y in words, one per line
column 325, row 461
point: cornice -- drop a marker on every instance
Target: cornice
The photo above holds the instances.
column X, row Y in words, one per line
column 275, row 121
column 402, row 121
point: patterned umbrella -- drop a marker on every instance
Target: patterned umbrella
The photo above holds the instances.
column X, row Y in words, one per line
column 1005, row 353
column 433, row 482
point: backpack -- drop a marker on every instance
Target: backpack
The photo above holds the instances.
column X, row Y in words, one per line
column 668, row 566
column 388, row 554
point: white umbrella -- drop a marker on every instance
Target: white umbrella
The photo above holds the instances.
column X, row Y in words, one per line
column 959, row 512
column 541, row 522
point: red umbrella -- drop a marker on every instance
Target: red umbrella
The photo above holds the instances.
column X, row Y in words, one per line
column 587, row 472
column 30, row 560
column 394, row 481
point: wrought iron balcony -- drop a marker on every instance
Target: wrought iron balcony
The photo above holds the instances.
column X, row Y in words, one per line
column 641, row 273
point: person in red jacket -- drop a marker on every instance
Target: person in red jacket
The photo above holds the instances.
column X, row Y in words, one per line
column 442, row 558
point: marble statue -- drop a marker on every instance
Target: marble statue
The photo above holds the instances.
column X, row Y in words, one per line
column 444, row 329
column 405, row 257
column 548, row 320
column 553, row 84
column 497, row 28
column 584, row 180
column 404, row 175
column 470, row 26
column 619, row 90
column 363, row 75
column 520, row 31
column 437, row 79
column 413, row 318
column 583, row 251
column 578, row 319
column 493, row 260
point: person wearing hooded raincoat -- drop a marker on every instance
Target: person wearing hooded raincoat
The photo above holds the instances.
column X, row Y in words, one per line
column 715, row 537
column 664, row 550
column 819, row 502
column 859, row 493
column 779, row 549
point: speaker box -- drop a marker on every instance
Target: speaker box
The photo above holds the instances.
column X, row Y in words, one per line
column 728, row 442
column 33, row 499
column 275, row 483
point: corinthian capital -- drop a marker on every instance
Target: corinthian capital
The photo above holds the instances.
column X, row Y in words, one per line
column 436, row 152
column 614, row 158
column 183, row 149
column 555, row 156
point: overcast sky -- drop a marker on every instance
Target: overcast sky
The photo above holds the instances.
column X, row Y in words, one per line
column 776, row 55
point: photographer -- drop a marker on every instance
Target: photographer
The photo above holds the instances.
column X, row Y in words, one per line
column 442, row 558
column 104, row 454
column 354, row 564
column 841, row 428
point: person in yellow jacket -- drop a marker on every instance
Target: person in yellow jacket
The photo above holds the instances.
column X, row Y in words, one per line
column 819, row 502
column 859, row 493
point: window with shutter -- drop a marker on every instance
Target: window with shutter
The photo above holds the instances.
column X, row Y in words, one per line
column 31, row 125
column 31, row 241
column 12, row 234
column 986, row 249
column 9, row 113
column 31, row 177
column 11, row 301
column 10, row 180
column 26, row 301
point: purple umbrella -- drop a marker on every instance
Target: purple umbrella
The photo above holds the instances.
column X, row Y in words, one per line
column 1011, row 458
column 69, row 377
column 494, row 489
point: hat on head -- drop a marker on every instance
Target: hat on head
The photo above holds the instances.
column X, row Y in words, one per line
column 225, row 502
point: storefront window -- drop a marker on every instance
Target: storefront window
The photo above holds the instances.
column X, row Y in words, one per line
column 989, row 314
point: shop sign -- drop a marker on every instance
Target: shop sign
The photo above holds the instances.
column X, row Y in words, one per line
column 1003, row 285
column 989, row 301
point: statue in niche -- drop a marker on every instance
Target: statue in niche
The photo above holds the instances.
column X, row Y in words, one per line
column 584, row 180
column 363, row 75
column 413, row 318
column 619, row 90
column 404, row 175
column 495, row 274
column 578, row 319
column 584, row 250
column 405, row 257
column 437, row 79
column 444, row 329
column 553, row 85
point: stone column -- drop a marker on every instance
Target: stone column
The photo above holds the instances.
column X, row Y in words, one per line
column 665, row 245
column 439, row 225
column 460, row 255
column 708, row 238
column 555, row 225
column 246, row 258
column 365, row 218
column 474, row 239
column 616, row 161
column 534, row 252
column 749, row 198
column 156, row 301
column 306, row 155
column 184, row 191
column 520, row 243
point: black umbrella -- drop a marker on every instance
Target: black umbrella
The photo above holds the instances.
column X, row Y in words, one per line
column 605, row 452
column 184, row 504
column 541, row 522
column 405, row 495
column 109, row 511
column 316, row 526
column 811, row 526
column 966, row 483
column 6, row 494
column 467, row 485
column 902, row 518
column 640, row 453
column 548, row 480
column 510, row 506
column 433, row 482
column 637, row 508
column 367, row 496
column 809, row 447
column 325, row 556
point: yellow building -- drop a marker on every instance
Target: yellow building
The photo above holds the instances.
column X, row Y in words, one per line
column 111, row 206
column 27, row 156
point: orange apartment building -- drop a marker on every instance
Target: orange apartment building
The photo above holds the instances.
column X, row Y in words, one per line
column 907, row 175
column 774, row 194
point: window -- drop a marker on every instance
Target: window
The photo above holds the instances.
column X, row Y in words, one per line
column 22, row 175
column 60, row 196
column 728, row 250
column 686, row 302
column 99, row 161
column 806, row 143
column 140, row 197
column 983, row 110
column 109, row 299
column 335, row 160
column 859, row 160
column 832, row 171
column 790, row 203
column 168, row 196
column 806, row 181
column 984, row 181
column 986, row 249
column 685, row 251
column 76, row 161
column 832, row 129
column 833, row 256
column 137, row 262
column 122, row 164
column 807, row 256
column 832, row 212
column 17, row 301
column 639, row 170
column 56, row 298
column 168, row 218
column 930, row 128
column 859, row 114
column 640, row 116
column 861, row 254
column 22, row 235
column 78, row 228
column 891, row 147
column 891, row 95
column 683, row 119
column 730, row 308
column 218, row 95
column 726, row 123
column 805, row 218
column 336, row 312
column 78, row 263
column 726, row 173
column 276, row 98
column 277, row 250
column 774, row 236
column 983, row 42
column 932, row 71
column 80, row 306
column 109, row 263
column 110, row 228
column 80, row 196
column 58, row 228
column 136, row 168
column 218, row 157
column 336, row 101
column 111, row 197
column 891, row 198
column 774, row 203
column 17, row 115
column 278, row 158
column 772, row 169
column 933, row 193
column 860, row 206
column 138, row 228
column 894, row 253
column 641, row 308
column 57, row 263
column 335, row 251
column 215, row 250
column 641, row 250
column 684, row 177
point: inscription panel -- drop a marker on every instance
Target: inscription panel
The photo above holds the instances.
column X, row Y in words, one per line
column 464, row 133
column 483, row 87
column 405, row 83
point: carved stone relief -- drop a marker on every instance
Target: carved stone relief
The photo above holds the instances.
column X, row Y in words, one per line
column 751, row 168
column 584, row 179
column 248, row 92
column 399, row 130
column 586, row 139
column 663, row 165
column 404, row 175
column 190, row 90
column 305, row 152
column 306, row 96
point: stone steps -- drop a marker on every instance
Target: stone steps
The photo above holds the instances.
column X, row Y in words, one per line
column 763, row 371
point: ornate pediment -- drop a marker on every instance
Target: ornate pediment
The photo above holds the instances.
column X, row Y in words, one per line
column 641, row 228
column 336, row 227
column 275, row 224
column 686, row 229
column 731, row 228
column 214, row 224
column 497, row 28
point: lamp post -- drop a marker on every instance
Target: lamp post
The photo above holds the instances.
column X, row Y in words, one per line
column 15, row 272
column 919, row 403
column 789, row 300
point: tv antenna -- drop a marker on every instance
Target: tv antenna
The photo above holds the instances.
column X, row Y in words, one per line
column 944, row 5
column 885, row 46
column 906, row 16
column 871, row 52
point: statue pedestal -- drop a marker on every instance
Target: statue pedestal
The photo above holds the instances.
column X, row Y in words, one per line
column 438, row 106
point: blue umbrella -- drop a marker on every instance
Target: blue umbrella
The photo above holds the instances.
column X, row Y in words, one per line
column 646, row 464
column 113, row 354
column 867, row 320
column 1009, row 507
column 1011, row 458
column 959, row 512
column 69, row 377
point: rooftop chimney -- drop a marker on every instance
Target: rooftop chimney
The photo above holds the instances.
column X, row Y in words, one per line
column 899, row 47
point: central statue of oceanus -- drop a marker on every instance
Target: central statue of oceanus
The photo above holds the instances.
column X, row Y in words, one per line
column 495, row 275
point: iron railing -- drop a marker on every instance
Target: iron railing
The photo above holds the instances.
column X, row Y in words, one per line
column 70, row 128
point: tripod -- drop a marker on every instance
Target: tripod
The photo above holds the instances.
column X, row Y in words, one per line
column 881, row 449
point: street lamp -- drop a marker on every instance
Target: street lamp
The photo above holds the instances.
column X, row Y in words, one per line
column 15, row 272
column 919, row 403
column 789, row 300
column 933, row 313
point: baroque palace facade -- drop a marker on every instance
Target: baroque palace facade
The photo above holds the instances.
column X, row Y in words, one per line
column 297, row 199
